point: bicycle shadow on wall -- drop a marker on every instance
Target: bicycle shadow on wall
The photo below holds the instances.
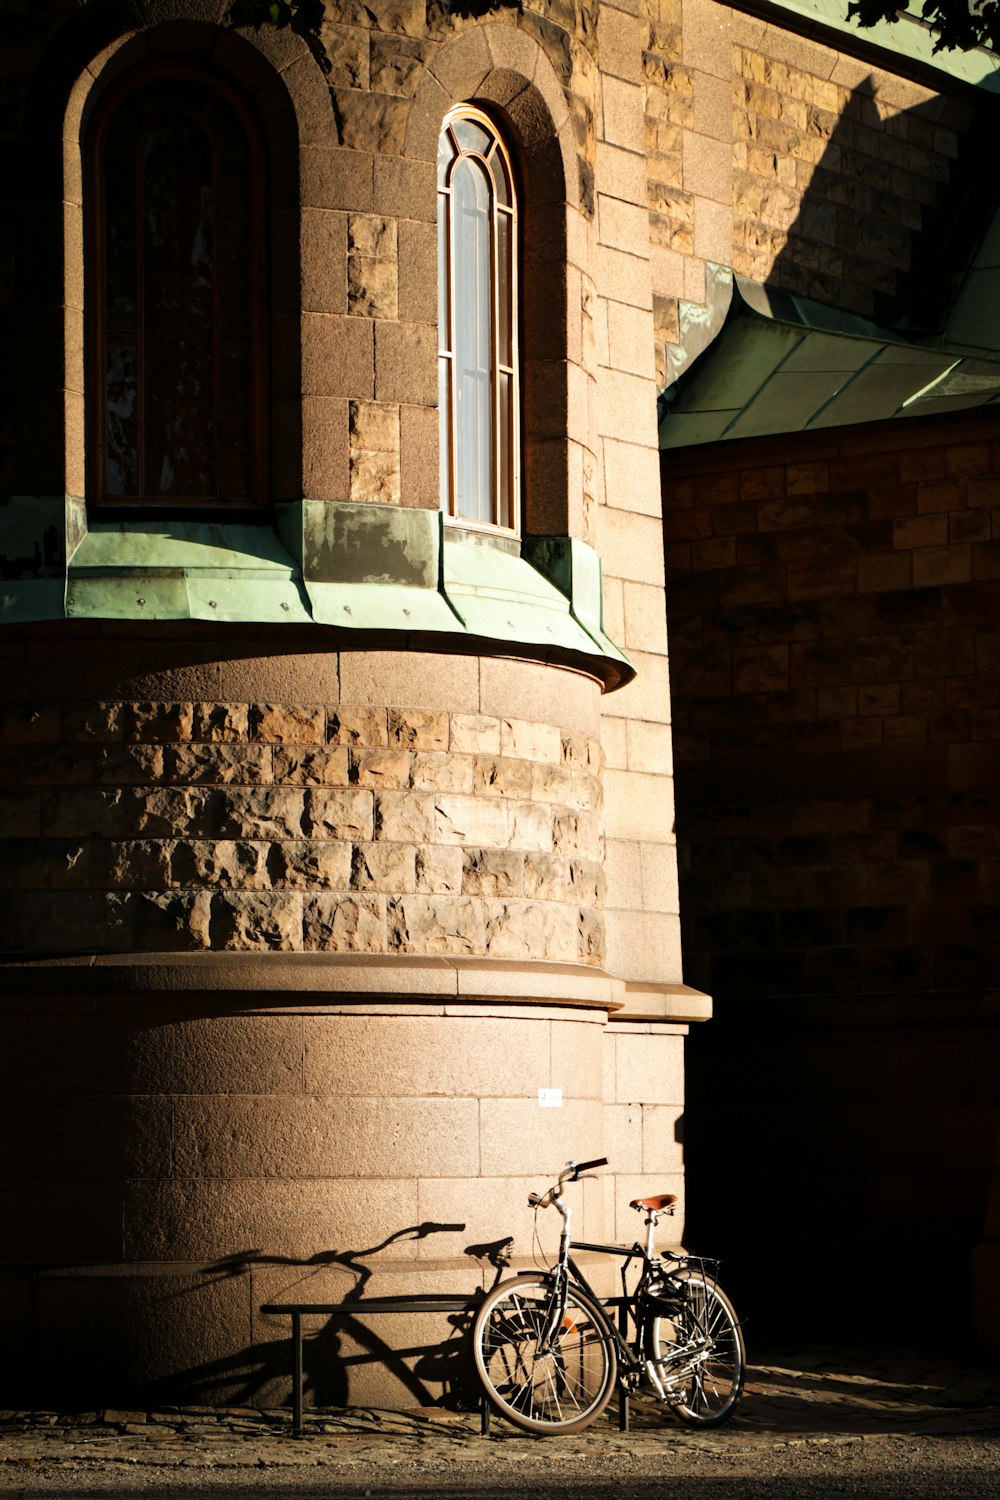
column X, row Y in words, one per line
column 433, row 1373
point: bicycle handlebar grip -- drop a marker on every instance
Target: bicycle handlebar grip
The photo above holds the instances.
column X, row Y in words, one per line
column 585, row 1166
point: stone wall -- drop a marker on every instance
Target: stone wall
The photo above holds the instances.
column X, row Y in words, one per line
column 795, row 164
column 171, row 1167
column 297, row 922
column 836, row 684
column 131, row 827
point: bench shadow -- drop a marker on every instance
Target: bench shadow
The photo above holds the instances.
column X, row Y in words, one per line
column 431, row 1374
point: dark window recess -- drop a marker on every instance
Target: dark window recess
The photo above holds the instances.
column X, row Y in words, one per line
column 176, row 335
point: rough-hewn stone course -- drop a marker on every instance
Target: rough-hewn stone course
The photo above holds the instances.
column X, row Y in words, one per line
column 220, row 721
column 500, row 777
column 405, row 817
column 380, row 768
column 418, row 730
column 307, row 767
column 218, row 764
column 383, row 867
column 248, row 923
column 492, row 872
column 347, row 814
column 394, row 803
column 338, row 924
column 30, row 725
column 136, row 765
column 357, row 726
column 309, row 864
column 275, row 724
column 160, row 723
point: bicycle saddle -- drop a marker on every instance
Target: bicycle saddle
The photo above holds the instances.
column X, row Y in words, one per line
column 656, row 1204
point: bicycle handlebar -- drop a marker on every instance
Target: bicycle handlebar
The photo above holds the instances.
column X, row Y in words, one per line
column 572, row 1172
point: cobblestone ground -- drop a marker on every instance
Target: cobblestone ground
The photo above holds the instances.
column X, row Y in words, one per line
column 899, row 1423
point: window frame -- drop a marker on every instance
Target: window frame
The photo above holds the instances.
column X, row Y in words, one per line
column 95, row 315
column 502, row 497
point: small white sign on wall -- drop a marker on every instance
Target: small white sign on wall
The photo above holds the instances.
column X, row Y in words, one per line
column 550, row 1098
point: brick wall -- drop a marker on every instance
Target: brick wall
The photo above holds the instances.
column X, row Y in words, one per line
column 835, row 673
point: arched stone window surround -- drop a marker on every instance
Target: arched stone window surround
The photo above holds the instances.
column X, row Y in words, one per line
column 503, row 71
column 286, row 88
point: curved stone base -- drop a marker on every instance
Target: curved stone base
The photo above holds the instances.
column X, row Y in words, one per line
column 183, row 1158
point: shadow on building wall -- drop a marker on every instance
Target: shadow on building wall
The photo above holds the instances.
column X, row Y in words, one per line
column 836, row 706
column 424, row 1354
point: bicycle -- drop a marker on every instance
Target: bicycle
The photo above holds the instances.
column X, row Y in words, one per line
column 548, row 1354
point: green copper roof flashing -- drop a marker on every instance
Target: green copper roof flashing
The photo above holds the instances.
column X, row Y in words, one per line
column 177, row 570
column 377, row 568
column 757, row 361
column 545, row 598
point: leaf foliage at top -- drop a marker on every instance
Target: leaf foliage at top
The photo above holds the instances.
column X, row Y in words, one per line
column 956, row 24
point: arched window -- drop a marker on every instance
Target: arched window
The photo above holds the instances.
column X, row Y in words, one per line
column 176, row 347
column 477, row 318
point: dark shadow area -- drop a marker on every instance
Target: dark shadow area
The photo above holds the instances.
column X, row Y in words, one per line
column 835, row 722
column 117, row 1342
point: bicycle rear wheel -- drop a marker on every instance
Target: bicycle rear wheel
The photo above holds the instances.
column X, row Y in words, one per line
column 697, row 1344
column 558, row 1386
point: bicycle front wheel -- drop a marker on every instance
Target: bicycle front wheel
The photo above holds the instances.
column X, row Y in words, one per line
column 558, row 1383
column 697, row 1345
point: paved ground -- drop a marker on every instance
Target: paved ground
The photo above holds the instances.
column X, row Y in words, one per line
column 812, row 1424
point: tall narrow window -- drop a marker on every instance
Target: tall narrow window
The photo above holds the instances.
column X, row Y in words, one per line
column 477, row 302
column 176, row 336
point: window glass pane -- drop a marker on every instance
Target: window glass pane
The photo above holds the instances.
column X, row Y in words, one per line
column 176, row 319
column 505, row 351
column 232, row 252
column 444, row 430
column 500, row 179
column 444, row 312
column 445, row 154
column 119, row 243
column 234, row 421
column 471, row 136
column 177, row 96
column 472, row 340
column 120, row 431
column 505, row 436
column 178, row 363
column 123, row 133
column 227, row 132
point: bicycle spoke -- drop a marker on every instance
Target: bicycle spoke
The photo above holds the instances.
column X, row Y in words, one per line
column 546, row 1383
column 698, row 1351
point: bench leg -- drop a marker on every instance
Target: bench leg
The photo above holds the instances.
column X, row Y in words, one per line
column 296, row 1374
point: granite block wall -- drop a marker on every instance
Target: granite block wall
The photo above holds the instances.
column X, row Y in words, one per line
column 836, row 685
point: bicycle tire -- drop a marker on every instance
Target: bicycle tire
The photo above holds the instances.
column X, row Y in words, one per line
column 707, row 1383
column 560, row 1389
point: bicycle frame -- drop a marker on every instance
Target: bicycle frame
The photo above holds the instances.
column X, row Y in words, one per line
column 632, row 1358
column 548, row 1348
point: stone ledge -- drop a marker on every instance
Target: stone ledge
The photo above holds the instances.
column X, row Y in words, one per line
column 363, row 977
column 660, row 1002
